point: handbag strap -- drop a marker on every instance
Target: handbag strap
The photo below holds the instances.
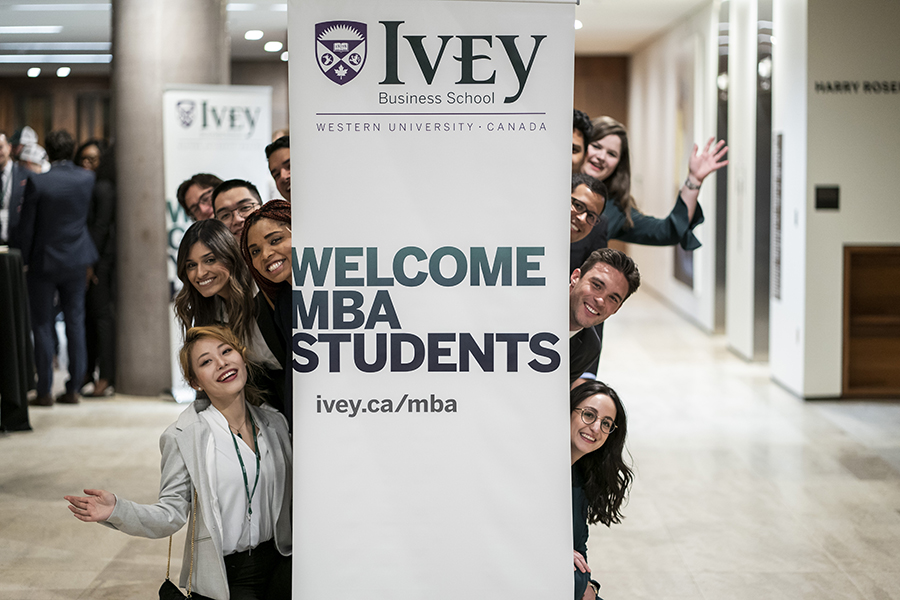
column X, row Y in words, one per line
column 193, row 529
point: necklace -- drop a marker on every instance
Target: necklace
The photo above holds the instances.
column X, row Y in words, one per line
column 237, row 429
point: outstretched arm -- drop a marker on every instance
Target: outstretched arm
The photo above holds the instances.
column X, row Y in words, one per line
column 699, row 167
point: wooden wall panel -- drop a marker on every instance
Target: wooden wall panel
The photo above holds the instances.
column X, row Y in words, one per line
column 601, row 86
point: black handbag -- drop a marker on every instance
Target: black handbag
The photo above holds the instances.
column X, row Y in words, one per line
column 168, row 590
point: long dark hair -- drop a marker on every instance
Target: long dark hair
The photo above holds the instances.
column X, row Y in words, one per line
column 619, row 183
column 190, row 305
column 277, row 210
column 606, row 476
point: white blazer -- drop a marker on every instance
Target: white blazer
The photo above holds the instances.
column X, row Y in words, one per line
column 184, row 445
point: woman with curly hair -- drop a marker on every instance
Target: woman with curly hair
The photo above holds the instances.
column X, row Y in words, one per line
column 600, row 477
column 266, row 249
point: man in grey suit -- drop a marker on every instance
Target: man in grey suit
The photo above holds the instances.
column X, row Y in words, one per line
column 57, row 250
column 12, row 189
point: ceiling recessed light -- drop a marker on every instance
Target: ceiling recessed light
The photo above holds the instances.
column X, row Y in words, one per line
column 30, row 29
column 63, row 71
column 273, row 46
column 34, row 71
column 284, row 56
column 578, row 24
column 253, row 35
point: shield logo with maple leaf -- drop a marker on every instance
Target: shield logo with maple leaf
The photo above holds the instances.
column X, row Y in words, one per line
column 341, row 49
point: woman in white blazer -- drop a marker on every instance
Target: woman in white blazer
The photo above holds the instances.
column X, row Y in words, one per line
column 236, row 455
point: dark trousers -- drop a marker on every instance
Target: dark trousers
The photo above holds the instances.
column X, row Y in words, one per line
column 258, row 574
column 101, row 325
column 41, row 290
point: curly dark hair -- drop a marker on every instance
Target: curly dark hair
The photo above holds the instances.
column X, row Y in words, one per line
column 619, row 183
column 605, row 474
column 277, row 210
column 581, row 122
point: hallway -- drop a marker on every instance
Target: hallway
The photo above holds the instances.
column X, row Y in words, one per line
column 742, row 490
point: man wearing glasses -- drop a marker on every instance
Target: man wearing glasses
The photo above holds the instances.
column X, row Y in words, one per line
column 233, row 201
column 588, row 201
column 195, row 196
column 596, row 292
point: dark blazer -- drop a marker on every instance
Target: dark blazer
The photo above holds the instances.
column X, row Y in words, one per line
column 584, row 348
column 19, row 177
column 53, row 232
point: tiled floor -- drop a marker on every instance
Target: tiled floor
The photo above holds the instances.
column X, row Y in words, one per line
column 742, row 490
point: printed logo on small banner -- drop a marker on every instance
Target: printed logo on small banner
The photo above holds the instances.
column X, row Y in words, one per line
column 341, row 49
column 185, row 110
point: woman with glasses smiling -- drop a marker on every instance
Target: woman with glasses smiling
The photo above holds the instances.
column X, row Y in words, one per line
column 600, row 477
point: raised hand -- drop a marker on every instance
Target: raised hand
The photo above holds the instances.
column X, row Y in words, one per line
column 703, row 163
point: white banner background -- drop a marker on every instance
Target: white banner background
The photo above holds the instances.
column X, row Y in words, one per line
column 468, row 504
column 218, row 129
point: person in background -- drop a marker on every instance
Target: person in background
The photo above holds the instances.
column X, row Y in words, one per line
column 57, row 250
column 101, row 292
column 195, row 196
column 12, row 189
column 88, row 154
column 600, row 477
column 233, row 201
column 227, row 468
column 278, row 153
column 34, row 158
column 587, row 202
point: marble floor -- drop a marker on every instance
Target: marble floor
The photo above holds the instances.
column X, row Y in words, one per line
column 742, row 491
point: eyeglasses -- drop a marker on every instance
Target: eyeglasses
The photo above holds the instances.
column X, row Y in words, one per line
column 244, row 208
column 580, row 209
column 205, row 200
column 588, row 416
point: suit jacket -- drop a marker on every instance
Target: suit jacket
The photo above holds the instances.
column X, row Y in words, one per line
column 19, row 176
column 185, row 467
column 584, row 348
column 52, row 231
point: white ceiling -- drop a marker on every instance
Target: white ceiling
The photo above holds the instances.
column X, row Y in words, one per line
column 83, row 39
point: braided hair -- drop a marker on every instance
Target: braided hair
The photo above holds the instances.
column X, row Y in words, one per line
column 276, row 210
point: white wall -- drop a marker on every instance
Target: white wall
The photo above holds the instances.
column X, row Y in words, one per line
column 742, row 74
column 854, row 142
column 656, row 178
column 787, row 315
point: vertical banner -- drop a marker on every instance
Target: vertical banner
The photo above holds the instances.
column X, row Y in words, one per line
column 430, row 150
column 217, row 129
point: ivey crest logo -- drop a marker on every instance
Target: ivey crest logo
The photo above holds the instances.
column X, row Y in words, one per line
column 341, row 49
column 185, row 110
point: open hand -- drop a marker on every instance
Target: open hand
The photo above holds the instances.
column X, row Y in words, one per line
column 96, row 506
column 704, row 163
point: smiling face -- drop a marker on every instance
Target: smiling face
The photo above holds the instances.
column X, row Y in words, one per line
column 603, row 157
column 585, row 212
column 280, row 168
column 198, row 200
column 233, row 206
column 587, row 438
column 218, row 369
column 269, row 244
column 595, row 296
column 207, row 274
column 577, row 150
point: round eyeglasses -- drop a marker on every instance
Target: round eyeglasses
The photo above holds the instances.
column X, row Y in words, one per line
column 580, row 209
column 588, row 416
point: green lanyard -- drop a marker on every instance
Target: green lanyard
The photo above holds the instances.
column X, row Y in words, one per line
column 244, row 469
